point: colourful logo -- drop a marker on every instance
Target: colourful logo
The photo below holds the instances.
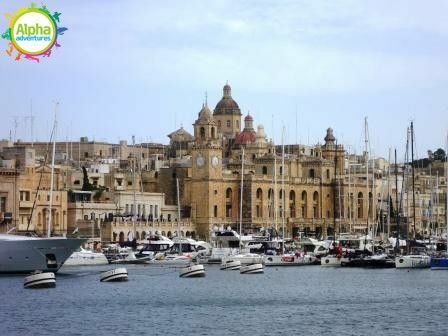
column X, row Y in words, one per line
column 32, row 33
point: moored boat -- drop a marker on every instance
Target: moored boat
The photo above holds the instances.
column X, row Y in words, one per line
column 256, row 268
column 40, row 280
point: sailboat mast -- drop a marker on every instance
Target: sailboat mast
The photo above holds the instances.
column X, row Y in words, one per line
column 241, row 195
column 178, row 216
column 52, row 173
column 446, row 195
column 283, row 191
column 133, row 185
column 366, row 141
column 413, row 178
column 388, row 196
column 397, row 210
column 275, row 192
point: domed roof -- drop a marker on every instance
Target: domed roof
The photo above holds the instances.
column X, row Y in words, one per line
column 205, row 114
column 227, row 105
column 245, row 137
column 180, row 135
column 329, row 138
column 248, row 118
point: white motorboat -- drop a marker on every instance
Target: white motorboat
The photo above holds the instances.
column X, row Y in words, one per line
column 40, row 280
column 155, row 244
column 130, row 258
column 289, row 260
column 245, row 258
column 192, row 271
column 84, row 257
column 252, row 269
column 21, row 254
column 170, row 260
column 231, row 265
column 115, row 275
column 413, row 261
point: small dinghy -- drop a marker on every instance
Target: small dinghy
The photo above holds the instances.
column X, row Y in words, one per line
column 252, row 269
column 230, row 265
column 40, row 280
column 193, row 271
column 118, row 274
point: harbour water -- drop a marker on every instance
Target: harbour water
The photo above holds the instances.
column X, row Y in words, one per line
column 308, row 300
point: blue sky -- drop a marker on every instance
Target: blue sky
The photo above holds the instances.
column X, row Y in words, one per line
column 142, row 68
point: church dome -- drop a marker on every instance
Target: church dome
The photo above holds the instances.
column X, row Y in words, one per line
column 245, row 137
column 205, row 114
column 329, row 138
column 227, row 105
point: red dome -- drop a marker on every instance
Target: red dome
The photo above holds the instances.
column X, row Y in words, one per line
column 245, row 137
column 248, row 118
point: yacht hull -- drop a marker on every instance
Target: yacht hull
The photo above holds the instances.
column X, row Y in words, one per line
column 25, row 255
column 412, row 261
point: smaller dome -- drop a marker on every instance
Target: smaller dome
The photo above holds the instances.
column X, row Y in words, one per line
column 205, row 113
column 248, row 118
column 245, row 137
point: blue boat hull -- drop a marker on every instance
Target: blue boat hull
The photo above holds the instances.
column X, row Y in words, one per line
column 439, row 263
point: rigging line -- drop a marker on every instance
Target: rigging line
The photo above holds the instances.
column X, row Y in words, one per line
column 40, row 181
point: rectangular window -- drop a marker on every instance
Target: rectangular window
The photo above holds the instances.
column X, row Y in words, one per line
column 156, row 211
column 2, row 204
column 228, row 210
column 215, row 211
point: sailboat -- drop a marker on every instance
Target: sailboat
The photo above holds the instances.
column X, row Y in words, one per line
column 441, row 263
column 412, row 260
column 286, row 259
column 22, row 254
column 250, row 263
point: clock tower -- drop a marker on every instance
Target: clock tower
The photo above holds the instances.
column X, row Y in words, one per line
column 207, row 150
column 206, row 175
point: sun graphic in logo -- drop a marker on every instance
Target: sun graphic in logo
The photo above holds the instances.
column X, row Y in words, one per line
column 32, row 33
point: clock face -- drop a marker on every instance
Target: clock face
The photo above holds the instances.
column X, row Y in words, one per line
column 215, row 161
column 200, row 161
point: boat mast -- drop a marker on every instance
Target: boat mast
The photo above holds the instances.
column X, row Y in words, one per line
column 178, row 216
column 283, row 190
column 334, row 196
column 388, row 197
column 133, row 185
column 413, row 178
column 241, row 195
column 397, row 210
column 446, row 195
column 52, row 172
column 366, row 141
column 275, row 193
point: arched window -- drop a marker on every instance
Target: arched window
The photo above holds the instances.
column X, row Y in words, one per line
column 304, row 204
column 328, row 173
column 360, row 205
column 229, row 193
column 265, row 170
column 202, row 133
column 281, row 170
column 315, row 204
column 292, row 203
column 259, row 193
column 228, row 123
column 213, row 132
column 219, row 127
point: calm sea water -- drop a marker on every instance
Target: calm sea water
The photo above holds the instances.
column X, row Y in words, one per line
column 307, row 300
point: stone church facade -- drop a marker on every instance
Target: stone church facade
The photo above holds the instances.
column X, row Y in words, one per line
column 307, row 191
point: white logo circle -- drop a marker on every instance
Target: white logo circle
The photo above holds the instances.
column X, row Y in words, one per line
column 33, row 32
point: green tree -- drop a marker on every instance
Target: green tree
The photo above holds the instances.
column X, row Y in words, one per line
column 440, row 155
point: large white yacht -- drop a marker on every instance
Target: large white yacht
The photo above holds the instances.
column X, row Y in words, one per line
column 22, row 254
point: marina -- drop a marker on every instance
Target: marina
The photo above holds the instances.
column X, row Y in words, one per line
column 286, row 300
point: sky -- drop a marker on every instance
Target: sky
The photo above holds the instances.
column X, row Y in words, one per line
column 143, row 68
